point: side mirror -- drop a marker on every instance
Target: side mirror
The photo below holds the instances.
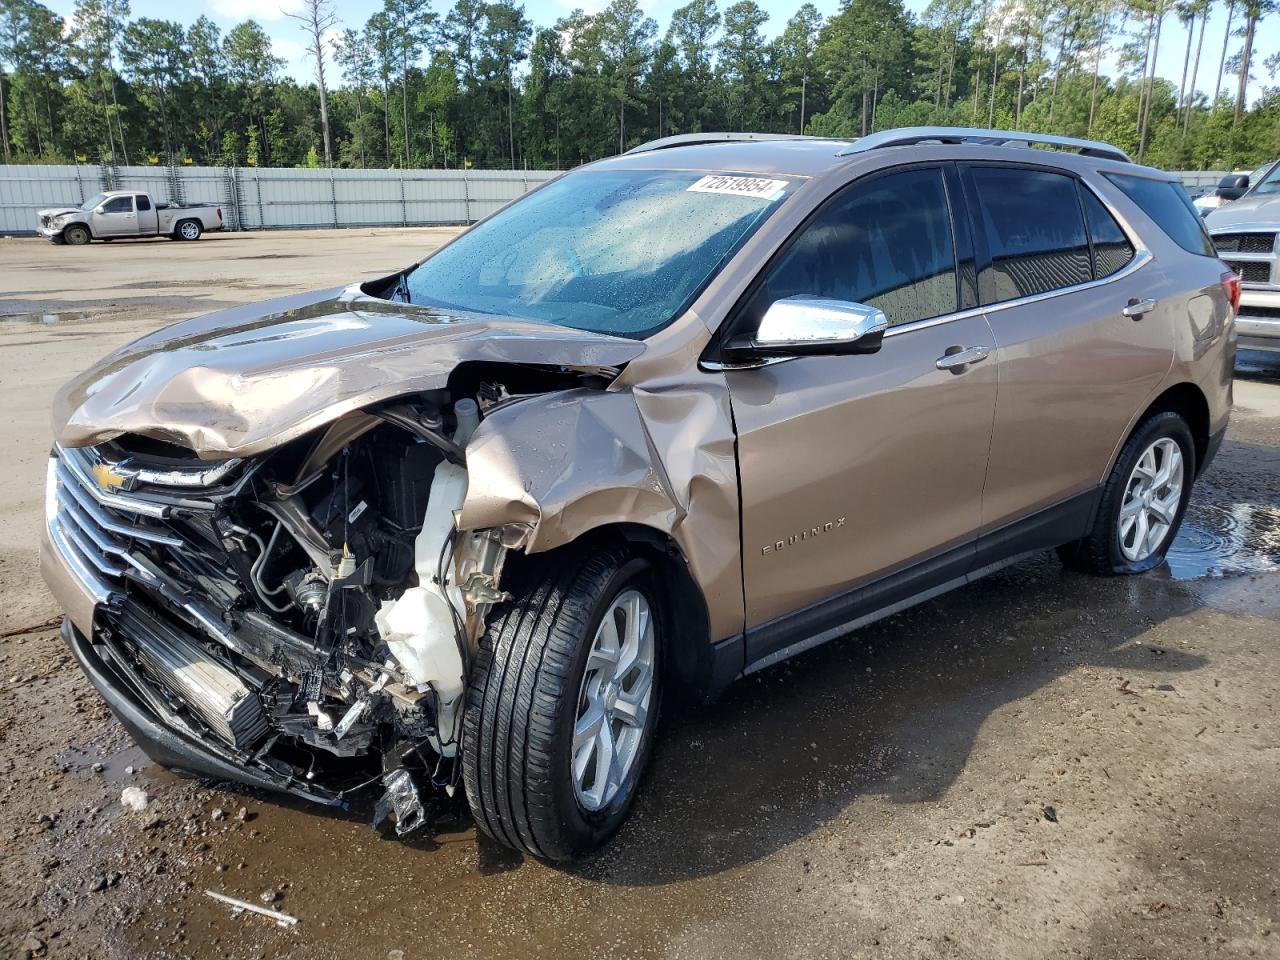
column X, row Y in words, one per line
column 808, row 327
column 1233, row 186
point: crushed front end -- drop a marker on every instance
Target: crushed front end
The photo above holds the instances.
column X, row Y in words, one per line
column 301, row 620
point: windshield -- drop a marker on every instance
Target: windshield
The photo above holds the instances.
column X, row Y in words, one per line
column 612, row 251
column 93, row 201
column 1270, row 183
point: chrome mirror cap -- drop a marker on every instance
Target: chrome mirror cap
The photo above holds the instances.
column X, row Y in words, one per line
column 810, row 321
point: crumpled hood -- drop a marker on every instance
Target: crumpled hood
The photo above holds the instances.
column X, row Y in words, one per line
column 1245, row 212
column 51, row 212
column 241, row 381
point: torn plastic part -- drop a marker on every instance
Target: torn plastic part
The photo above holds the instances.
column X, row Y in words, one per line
column 421, row 626
column 401, row 799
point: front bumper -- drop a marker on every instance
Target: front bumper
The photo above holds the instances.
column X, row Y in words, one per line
column 163, row 742
column 84, row 592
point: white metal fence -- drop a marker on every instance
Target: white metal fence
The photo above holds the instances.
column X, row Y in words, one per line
column 273, row 198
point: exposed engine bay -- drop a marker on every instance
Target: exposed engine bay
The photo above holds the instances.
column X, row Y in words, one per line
column 311, row 611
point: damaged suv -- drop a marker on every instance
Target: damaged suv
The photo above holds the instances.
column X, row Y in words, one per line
column 667, row 420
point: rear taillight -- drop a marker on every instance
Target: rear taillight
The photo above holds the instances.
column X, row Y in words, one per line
column 1231, row 284
column 219, row 213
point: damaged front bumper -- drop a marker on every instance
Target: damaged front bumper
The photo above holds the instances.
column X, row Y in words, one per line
column 163, row 739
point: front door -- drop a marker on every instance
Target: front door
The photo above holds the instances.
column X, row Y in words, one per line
column 115, row 218
column 857, row 466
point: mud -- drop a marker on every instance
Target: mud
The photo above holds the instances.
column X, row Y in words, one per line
column 1039, row 765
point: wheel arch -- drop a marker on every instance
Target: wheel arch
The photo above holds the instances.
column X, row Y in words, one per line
column 692, row 662
column 1189, row 402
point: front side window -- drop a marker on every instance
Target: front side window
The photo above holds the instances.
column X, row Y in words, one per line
column 119, row 205
column 1112, row 250
column 886, row 243
column 1035, row 231
column 620, row 252
column 1166, row 202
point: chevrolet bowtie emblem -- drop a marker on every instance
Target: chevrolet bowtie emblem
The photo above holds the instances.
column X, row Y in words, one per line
column 108, row 477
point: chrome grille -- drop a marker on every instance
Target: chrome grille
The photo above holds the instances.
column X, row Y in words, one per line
column 1251, row 271
column 95, row 529
column 1244, row 242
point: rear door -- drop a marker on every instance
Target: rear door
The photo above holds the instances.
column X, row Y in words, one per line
column 856, row 466
column 115, row 218
column 1057, row 270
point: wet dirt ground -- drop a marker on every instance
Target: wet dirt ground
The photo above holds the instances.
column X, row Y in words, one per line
column 1039, row 765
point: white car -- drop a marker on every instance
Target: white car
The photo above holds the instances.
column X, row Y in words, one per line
column 1245, row 232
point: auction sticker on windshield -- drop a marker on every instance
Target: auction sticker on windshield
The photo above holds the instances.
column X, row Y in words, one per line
column 739, row 186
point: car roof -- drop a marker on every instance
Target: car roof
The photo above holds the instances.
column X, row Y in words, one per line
column 801, row 156
column 798, row 157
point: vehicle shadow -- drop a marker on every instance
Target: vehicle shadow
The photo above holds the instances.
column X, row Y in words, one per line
column 892, row 710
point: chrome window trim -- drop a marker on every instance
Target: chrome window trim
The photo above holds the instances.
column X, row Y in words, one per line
column 1141, row 257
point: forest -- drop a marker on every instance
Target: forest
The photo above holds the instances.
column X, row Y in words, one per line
column 478, row 84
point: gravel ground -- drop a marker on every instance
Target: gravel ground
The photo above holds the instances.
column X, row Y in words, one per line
column 1038, row 765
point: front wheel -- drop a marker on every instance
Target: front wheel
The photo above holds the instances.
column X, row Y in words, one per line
column 188, row 230
column 76, row 235
column 1142, row 503
column 563, row 703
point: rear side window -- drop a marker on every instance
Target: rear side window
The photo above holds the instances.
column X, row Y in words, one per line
column 144, row 203
column 886, row 243
column 1168, row 205
column 1112, row 250
column 1035, row 231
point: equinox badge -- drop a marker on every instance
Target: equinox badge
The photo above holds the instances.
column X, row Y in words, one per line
column 810, row 534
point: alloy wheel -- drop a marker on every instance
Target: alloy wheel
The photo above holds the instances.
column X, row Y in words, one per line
column 1151, row 500
column 614, row 701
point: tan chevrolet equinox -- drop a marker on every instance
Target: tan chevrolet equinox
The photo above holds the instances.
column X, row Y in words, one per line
column 669, row 419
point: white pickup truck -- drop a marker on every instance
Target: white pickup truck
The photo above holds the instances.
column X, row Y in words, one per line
column 127, row 213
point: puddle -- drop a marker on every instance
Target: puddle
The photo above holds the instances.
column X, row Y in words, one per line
column 1217, row 541
column 47, row 319
column 1258, row 365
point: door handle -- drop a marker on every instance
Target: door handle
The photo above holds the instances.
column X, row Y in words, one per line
column 1136, row 309
column 962, row 357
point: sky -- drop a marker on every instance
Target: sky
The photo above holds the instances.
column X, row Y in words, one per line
column 286, row 36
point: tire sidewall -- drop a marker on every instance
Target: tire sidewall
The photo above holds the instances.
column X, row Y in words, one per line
column 1163, row 425
column 177, row 231
column 76, row 231
column 588, row 829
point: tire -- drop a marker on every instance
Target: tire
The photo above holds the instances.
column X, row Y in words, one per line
column 526, row 693
column 1104, row 551
column 76, row 235
column 187, row 230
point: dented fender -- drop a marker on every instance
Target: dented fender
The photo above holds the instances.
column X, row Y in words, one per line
column 662, row 456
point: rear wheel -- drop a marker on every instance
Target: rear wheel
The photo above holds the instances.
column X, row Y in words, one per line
column 563, row 703
column 76, row 235
column 1142, row 503
column 188, row 230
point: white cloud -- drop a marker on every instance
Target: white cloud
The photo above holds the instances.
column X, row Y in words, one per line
column 255, row 9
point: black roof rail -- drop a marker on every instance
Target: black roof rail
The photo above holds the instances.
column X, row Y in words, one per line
column 905, row 136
